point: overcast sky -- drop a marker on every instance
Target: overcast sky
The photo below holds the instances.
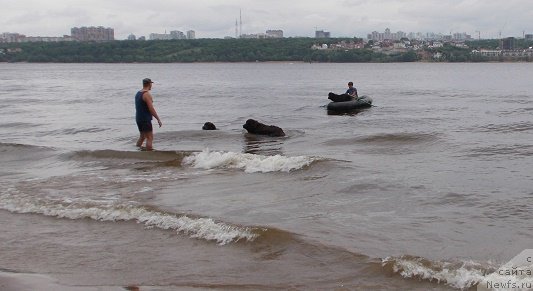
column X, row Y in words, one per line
column 216, row 18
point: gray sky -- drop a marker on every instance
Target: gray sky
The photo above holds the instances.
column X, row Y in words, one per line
column 216, row 18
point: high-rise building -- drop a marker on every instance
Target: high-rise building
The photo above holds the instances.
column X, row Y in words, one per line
column 508, row 43
column 191, row 34
column 132, row 37
column 376, row 36
column 322, row 34
column 461, row 36
column 92, row 33
column 387, row 34
column 176, row 34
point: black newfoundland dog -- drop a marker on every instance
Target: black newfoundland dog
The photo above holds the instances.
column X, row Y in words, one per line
column 339, row 98
column 209, row 126
column 256, row 127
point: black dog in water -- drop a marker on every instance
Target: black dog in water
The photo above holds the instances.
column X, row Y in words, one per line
column 209, row 126
column 339, row 98
column 256, row 127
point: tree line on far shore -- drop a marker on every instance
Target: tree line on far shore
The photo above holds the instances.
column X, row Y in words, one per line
column 227, row 50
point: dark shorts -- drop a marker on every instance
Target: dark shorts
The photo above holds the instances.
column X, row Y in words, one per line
column 144, row 126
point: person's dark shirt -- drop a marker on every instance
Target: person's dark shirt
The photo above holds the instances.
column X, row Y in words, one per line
column 142, row 113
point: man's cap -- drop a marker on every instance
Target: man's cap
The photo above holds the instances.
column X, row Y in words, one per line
column 147, row 81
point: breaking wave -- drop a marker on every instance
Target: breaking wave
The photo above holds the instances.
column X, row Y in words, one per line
column 195, row 227
column 250, row 163
column 271, row 243
column 457, row 274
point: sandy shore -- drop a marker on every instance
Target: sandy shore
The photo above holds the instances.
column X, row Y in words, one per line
column 21, row 282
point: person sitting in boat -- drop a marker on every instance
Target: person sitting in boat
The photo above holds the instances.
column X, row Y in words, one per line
column 352, row 91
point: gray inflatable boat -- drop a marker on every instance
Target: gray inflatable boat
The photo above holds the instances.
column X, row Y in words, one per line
column 360, row 102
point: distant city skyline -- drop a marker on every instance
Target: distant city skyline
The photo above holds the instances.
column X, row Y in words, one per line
column 101, row 33
column 211, row 19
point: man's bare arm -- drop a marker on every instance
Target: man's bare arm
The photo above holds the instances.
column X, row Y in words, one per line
column 149, row 101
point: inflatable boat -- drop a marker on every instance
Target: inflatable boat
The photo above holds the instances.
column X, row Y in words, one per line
column 357, row 103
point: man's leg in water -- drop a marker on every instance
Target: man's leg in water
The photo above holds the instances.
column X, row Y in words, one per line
column 149, row 139
column 141, row 139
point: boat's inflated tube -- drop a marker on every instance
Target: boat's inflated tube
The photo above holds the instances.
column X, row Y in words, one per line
column 360, row 102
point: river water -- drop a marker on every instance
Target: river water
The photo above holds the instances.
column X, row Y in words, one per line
column 432, row 188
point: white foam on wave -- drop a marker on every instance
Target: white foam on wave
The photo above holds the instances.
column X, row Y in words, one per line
column 250, row 163
column 457, row 274
column 201, row 228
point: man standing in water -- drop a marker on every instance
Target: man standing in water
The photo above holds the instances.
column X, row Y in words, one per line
column 144, row 111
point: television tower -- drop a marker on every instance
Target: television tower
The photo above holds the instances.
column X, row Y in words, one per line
column 236, row 29
column 240, row 22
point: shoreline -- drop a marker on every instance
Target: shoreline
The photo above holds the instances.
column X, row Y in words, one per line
column 276, row 62
column 14, row 281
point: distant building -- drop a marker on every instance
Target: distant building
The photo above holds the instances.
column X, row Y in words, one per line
column 447, row 38
column 399, row 45
column 132, row 37
column 47, row 38
column 399, row 35
column 191, row 34
column 488, row 53
column 387, row 35
column 374, row 36
column 142, row 38
column 11, row 37
column 274, row 33
column 16, row 37
column 507, row 43
column 319, row 47
column 519, row 54
column 254, row 35
column 415, row 36
column 268, row 34
column 461, row 36
column 322, row 34
column 92, row 33
column 435, row 44
column 175, row 34
column 528, row 36
column 159, row 36
column 430, row 36
column 434, row 36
